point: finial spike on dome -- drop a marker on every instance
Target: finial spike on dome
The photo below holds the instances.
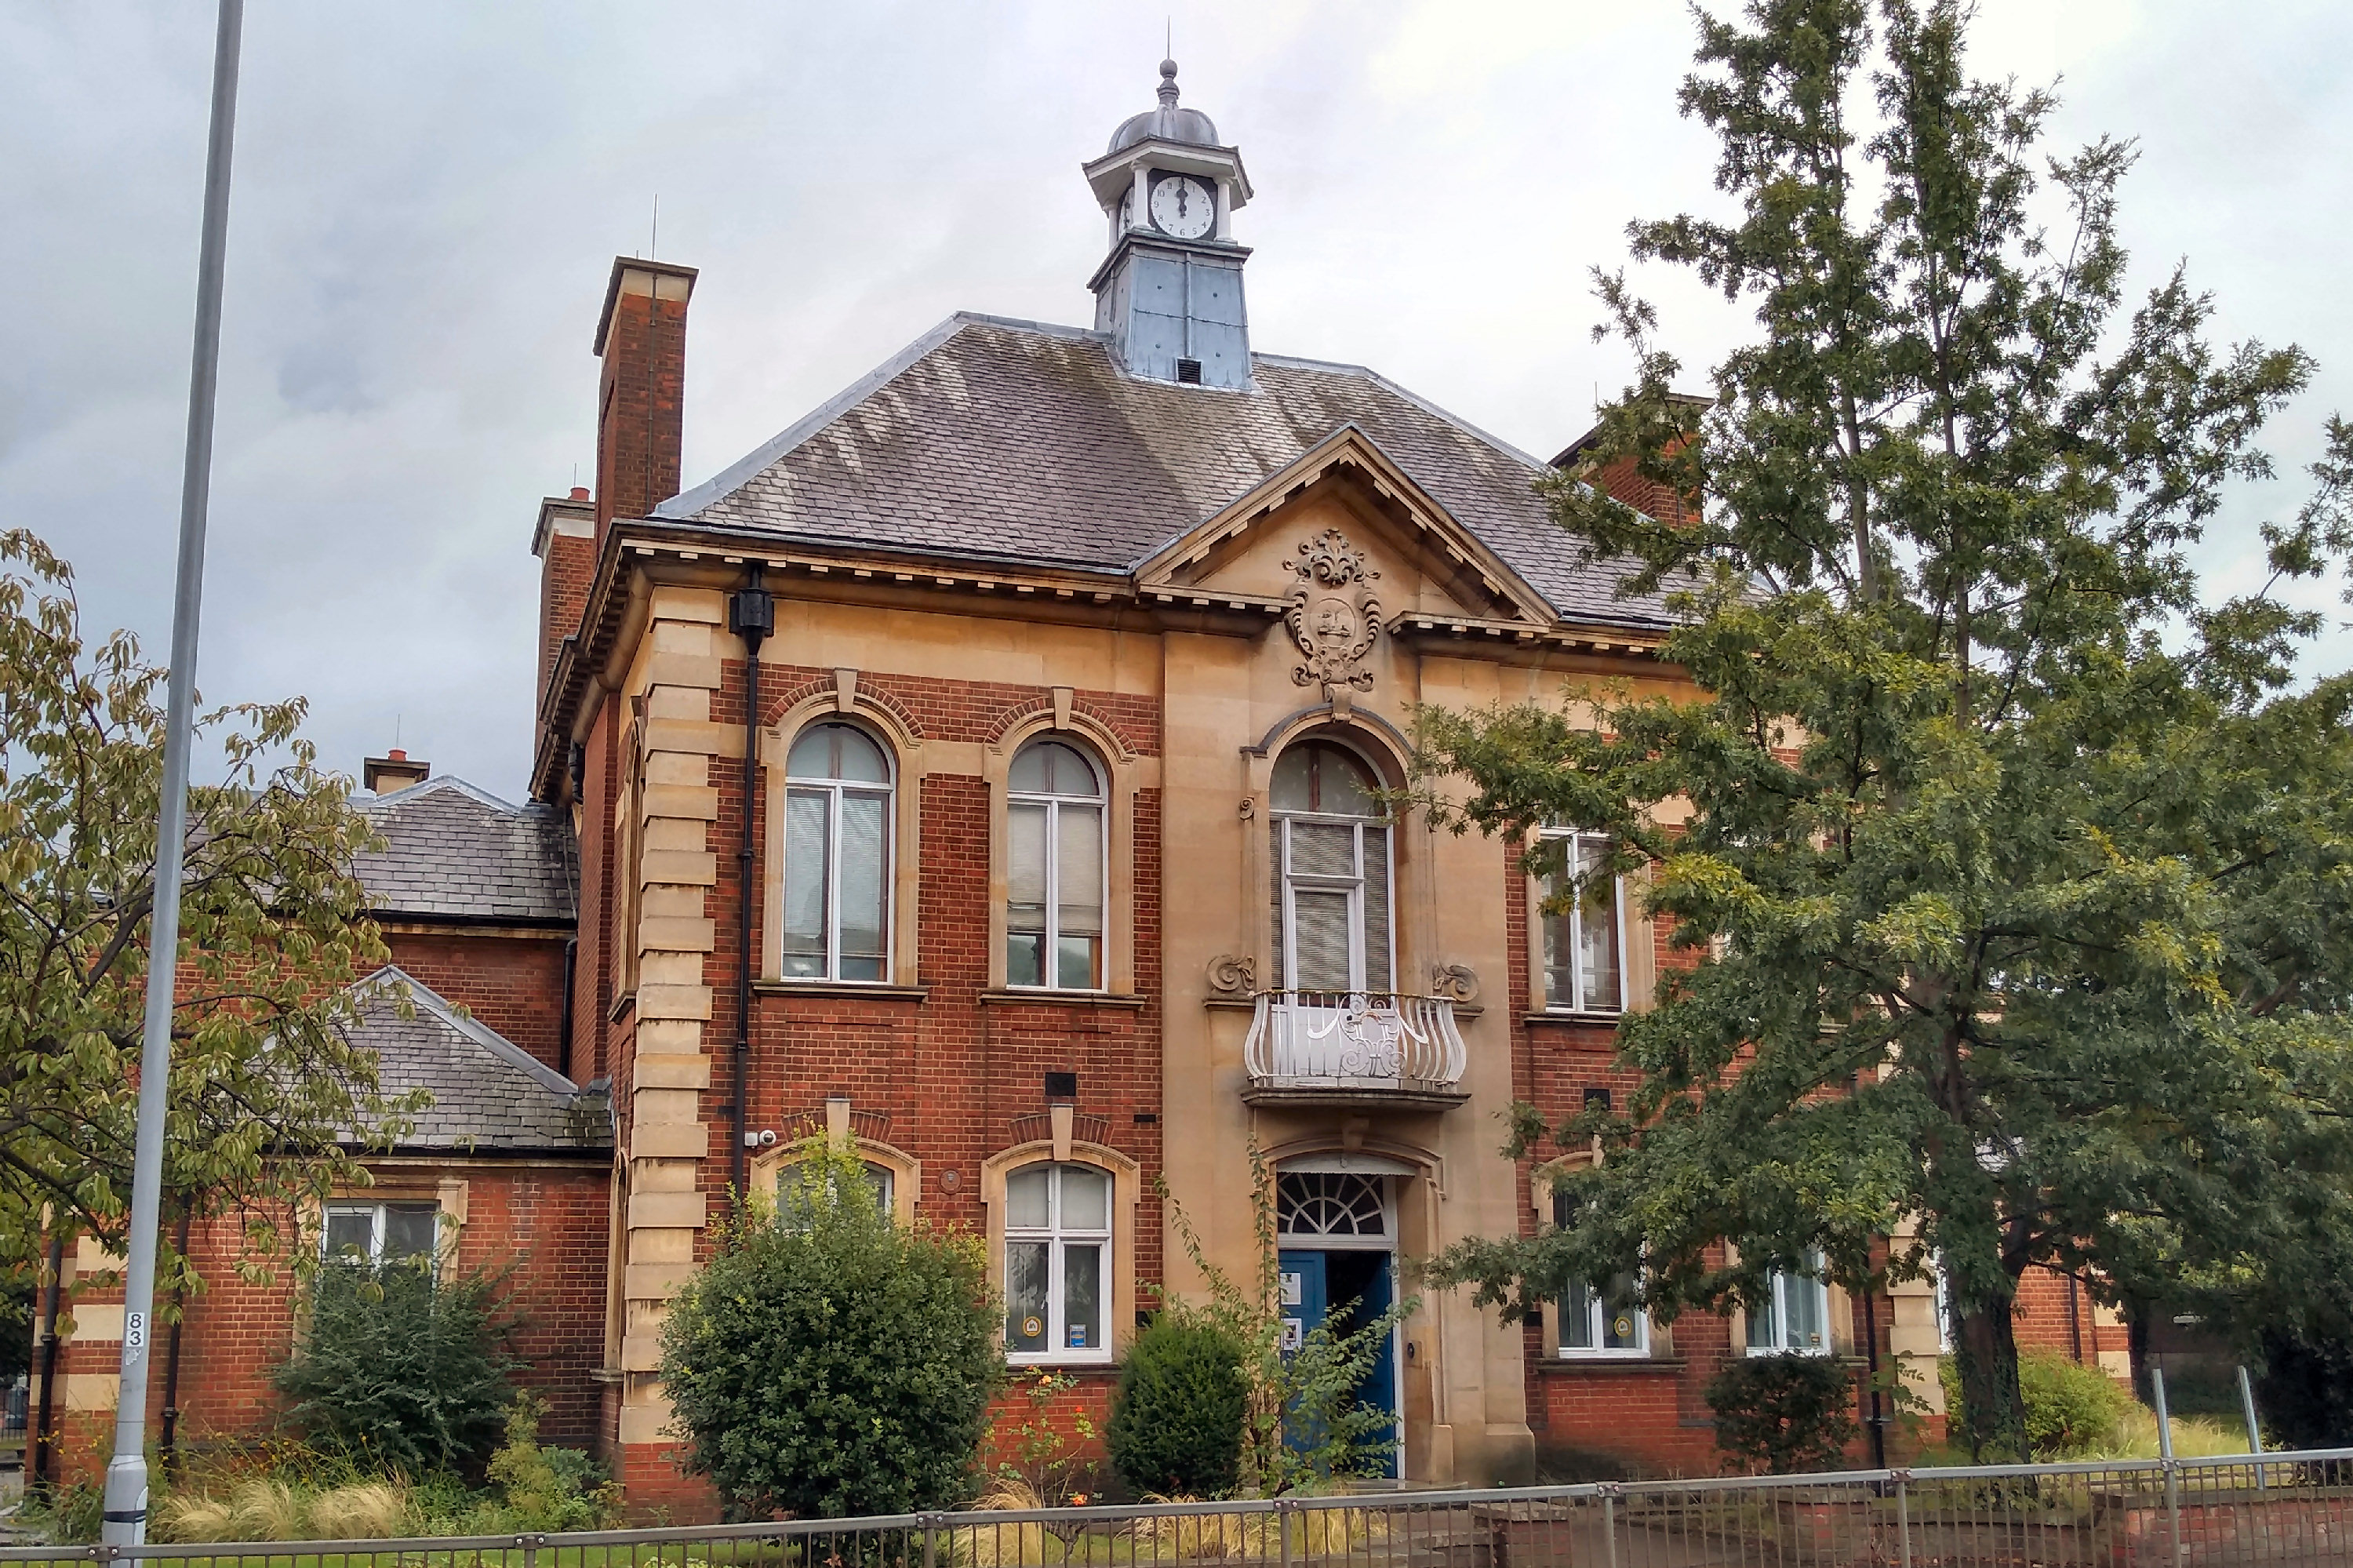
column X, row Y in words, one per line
column 1168, row 83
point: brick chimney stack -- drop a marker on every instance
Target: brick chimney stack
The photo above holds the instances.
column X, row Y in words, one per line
column 564, row 540
column 640, row 397
column 1619, row 480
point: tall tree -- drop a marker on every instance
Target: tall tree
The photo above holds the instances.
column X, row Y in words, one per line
column 268, row 1095
column 2013, row 875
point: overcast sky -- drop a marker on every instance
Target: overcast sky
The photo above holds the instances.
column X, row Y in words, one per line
column 428, row 197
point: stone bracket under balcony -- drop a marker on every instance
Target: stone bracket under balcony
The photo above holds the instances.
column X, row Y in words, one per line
column 1354, row 1050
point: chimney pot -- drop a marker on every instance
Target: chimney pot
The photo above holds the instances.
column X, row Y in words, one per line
column 579, row 493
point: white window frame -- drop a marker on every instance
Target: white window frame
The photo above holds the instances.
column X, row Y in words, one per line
column 1596, row 1352
column 1100, row 804
column 376, row 1211
column 1943, row 1303
column 888, row 792
column 1057, row 1237
column 1353, row 886
column 1783, row 1283
column 1573, row 840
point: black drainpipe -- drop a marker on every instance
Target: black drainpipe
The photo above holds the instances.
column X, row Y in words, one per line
column 564, row 1020
column 171, row 1439
column 751, row 615
column 43, row 1439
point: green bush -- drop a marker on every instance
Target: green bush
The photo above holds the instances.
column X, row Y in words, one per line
column 2305, row 1388
column 68, row 1514
column 2070, row 1409
column 1176, row 1418
column 548, row 1488
column 1790, row 1413
column 400, row 1371
column 828, row 1362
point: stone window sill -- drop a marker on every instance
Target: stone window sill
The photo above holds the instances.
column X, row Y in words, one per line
column 1041, row 997
column 1577, row 1020
column 1584, row 1365
column 842, row 989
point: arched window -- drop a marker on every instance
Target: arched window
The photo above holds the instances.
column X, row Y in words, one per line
column 1604, row 1317
column 881, row 1179
column 836, row 855
column 1058, row 1263
column 1054, row 869
column 1331, row 874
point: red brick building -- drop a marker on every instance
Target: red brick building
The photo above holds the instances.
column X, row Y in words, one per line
column 986, row 768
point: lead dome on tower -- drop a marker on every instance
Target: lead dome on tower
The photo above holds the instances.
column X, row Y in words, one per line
column 1167, row 122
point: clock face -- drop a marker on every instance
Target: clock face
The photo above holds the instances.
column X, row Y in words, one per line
column 1183, row 207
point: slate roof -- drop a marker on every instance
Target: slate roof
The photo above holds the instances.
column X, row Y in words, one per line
column 488, row 1093
column 455, row 852
column 1015, row 441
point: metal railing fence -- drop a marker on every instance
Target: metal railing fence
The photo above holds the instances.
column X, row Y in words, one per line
column 1360, row 1038
column 2290, row 1509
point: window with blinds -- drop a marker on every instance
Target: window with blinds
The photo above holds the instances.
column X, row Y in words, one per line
column 836, row 856
column 1331, row 874
column 1054, row 869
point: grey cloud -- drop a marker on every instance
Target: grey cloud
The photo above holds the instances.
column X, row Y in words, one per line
column 427, row 196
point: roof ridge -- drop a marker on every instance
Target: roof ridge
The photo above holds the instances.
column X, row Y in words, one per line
column 1344, row 368
column 447, row 781
column 1023, row 323
column 480, row 1033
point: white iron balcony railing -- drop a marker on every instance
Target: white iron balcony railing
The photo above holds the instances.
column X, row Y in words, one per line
column 1352, row 1043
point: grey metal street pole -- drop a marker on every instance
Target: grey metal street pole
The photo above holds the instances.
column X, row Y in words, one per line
column 126, row 1474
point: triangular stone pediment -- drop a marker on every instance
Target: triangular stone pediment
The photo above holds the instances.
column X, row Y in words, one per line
column 1276, row 536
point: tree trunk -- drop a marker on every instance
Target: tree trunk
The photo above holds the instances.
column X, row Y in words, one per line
column 1993, row 1405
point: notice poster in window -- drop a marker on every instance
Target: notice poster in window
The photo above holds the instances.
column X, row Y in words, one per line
column 1077, row 1337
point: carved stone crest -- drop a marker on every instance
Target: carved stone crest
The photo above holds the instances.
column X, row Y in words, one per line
column 1335, row 613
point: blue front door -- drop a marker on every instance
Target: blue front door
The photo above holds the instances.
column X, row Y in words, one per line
column 1356, row 1282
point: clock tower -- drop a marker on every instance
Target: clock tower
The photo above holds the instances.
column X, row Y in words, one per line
column 1170, row 292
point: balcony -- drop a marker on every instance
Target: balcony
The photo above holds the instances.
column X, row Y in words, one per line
column 1353, row 1049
